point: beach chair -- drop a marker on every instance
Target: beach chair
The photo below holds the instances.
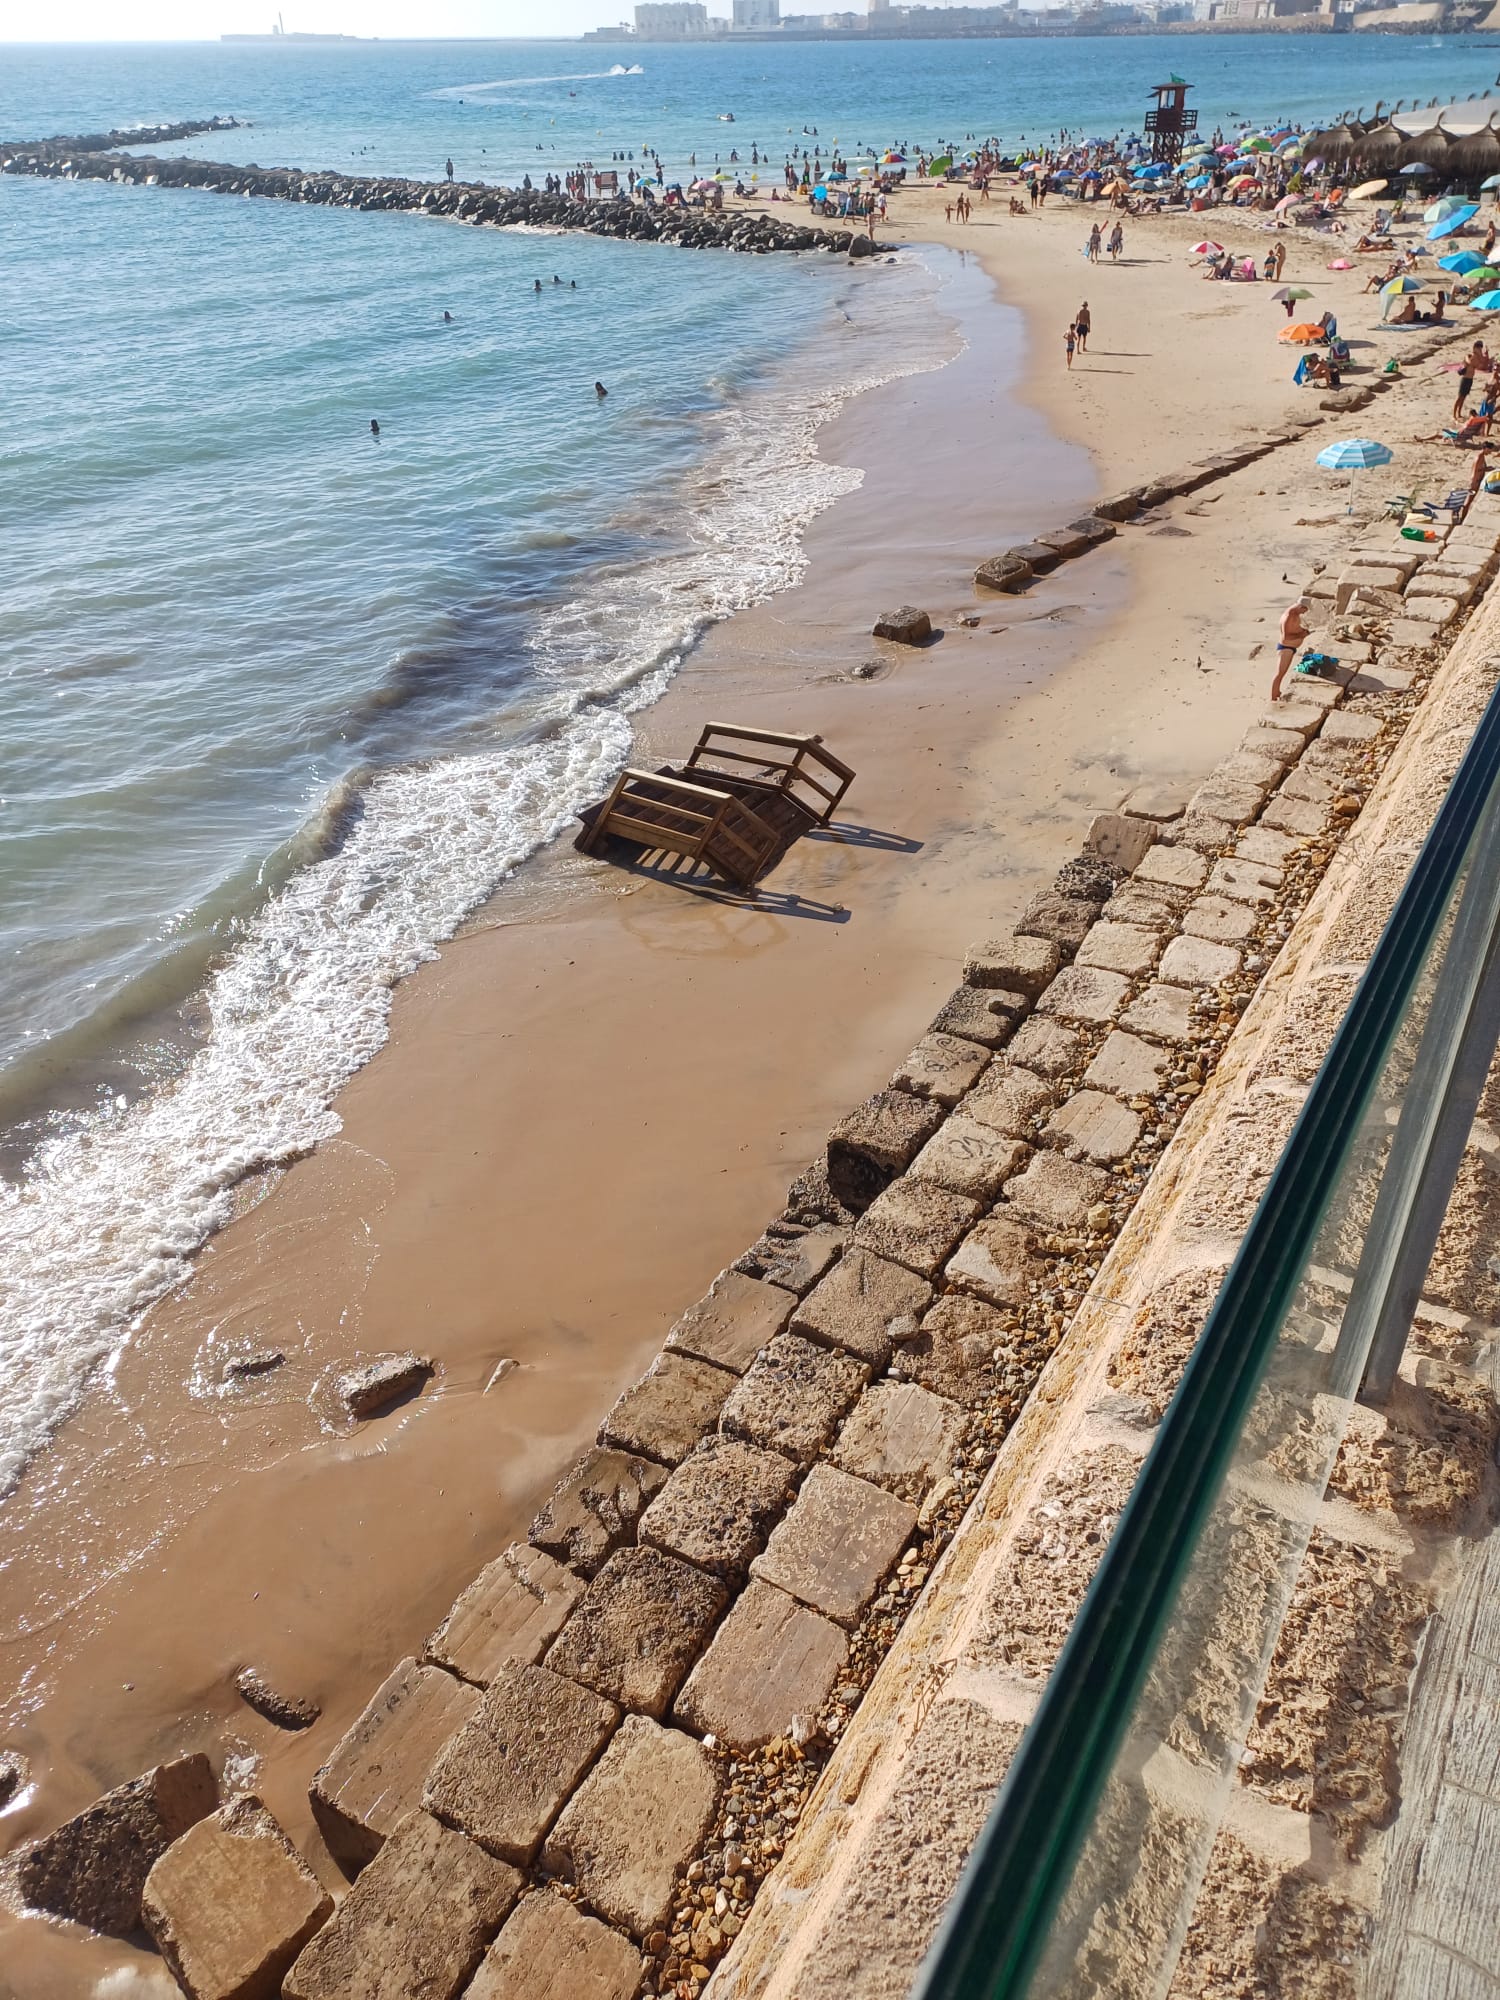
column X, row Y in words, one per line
column 1303, row 372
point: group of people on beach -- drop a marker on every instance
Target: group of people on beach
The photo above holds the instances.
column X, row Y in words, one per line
column 1076, row 339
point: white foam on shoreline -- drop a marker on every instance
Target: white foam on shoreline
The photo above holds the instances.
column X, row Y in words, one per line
column 110, row 1213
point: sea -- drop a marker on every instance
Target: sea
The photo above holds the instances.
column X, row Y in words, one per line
column 283, row 701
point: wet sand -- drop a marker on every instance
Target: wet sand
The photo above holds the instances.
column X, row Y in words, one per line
column 597, row 1096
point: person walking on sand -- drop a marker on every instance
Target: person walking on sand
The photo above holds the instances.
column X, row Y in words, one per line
column 1096, row 242
column 1070, row 341
column 1083, row 326
column 1116, row 242
column 1294, row 629
column 1280, row 254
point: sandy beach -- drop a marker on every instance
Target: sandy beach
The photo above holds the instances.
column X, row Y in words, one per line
column 597, row 1096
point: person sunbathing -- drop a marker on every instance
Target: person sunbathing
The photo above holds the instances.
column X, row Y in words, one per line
column 1378, row 278
column 1470, row 431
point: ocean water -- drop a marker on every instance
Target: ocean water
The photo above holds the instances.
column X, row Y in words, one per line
column 283, row 703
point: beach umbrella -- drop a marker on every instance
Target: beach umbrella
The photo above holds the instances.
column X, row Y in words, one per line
column 1301, row 335
column 1484, row 279
column 1289, row 201
column 1367, row 190
column 1418, row 167
column 1461, row 262
column 1201, row 181
column 1291, row 292
column 1492, row 182
column 1245, row 181
column 1398, row 287
column 1354, row 455
column 1487, row 302
column 1226, row 152
column 1257, row 145
column 1451, row 223
column 1206, row 249
column 1435, row 211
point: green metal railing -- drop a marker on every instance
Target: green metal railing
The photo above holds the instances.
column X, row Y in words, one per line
column 1083, row 1880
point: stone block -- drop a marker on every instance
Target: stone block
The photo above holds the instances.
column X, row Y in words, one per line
column 864, row 1306
column 1285, row 745
column 1366, row 575
column 375, row 1384
column 287, row 1711
column 1437, row 609
column 908, row 626
column 941, row 1067
column 795, row 1260
column 1387, row 676
column 1127, row 948
column 1191, row 961
column 1299, row 816
column 1041, row 555
column 93, row 1868
column 901, row 1436
column 1235, row 804
column 1057, row 1193
column 1246, row 768
column 1119, row 838
column 1085, row 993
column 793, row 1398
column 1462, row 586
column 644, row 1620
column 969, row 1157
column 1306, row 782
column 915, row 1223
column 1415, row 632
column 1069, row 542
column 771, row 1659
column 377, row 1770
column 1063, row 919
column 1127, row 1065
column 1291, row 714
column 877, row 1141
column 1046, row 1048
column 994, row 1261
column 1175, row 867
column 733, row 1323
column 1092, row 1125
column 1219, row 919
column 550, row 1950
column 595, row 1506
column 1010, row 1101
column 987, row 1015
column 1007, row 572
column 509, row 1771
column 231, row 1903
column 717, row 1508
column 1204, row 831
column 1245, row 881
column 838, row 1544
column 663, row 1415
column 1265, row 845
column 1151, row 906
column 510, row 1613
column 415, row 1923
column 1346, row 727
column 1163, row 1011
column 635, row 1822
column 1156, row 801
column 1015, row 964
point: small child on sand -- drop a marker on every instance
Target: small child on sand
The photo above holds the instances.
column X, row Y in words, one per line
column 1070, row 341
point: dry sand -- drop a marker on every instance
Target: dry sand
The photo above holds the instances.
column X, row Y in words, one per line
column 597, row 1096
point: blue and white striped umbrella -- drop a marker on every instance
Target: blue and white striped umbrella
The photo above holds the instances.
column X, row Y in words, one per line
column 1355, row 455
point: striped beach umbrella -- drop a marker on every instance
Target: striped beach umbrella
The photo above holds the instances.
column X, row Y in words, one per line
column 1398, row 287
column 1355, row 455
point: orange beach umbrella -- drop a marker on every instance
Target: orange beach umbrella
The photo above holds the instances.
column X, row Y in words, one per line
column 1304, row 333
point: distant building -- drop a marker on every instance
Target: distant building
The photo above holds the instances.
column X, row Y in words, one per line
column 673, row 21
column 753, row 15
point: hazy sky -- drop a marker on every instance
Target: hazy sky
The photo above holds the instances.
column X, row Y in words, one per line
column 206, row 20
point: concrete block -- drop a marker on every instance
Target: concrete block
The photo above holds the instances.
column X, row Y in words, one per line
column 231, row 1903
column 1245, row 881
column 902, row 1437
column 987, row 1015
column 634, row 1823
column 791, row 1401
column 595, row 1506
column 1127, row 1065
column 93, row 1868
column 864, row 1306
column 915, row 1223
column 644, row 1620
column 838, row 1544
column 994, row 1261
column 378, row 1768
column 663, row 1415
column 1175, row 867
column 1045, row 1047
column 1056, row 1193
column 717, row 1508
column 510, row 1613
column 796, row 1260
column 878, row 1140
column 416, row 1922
column 1119, row 838
column 1265, row 845
column 1156, row 801
column 550, row 1950
column 941, row 1067
column 1288, row 815
column 509, row 1771
column 1063, row 919
column 1017, row 964
column 1010, row 1101
column 1191, row 961
column 1085, row 993
column 1092, row 1125
column 1346, row 727
column 1219, row 919
column 969, row 1157
column 733, row 1323
column 1162, row 1011
column 770, row 1660
column 1285, row 745
column 1117, row 947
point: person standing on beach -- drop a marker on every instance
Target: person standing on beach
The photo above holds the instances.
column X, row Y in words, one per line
column 1096, row 243
column 1083, row 326
column 1070, row 341
column 1116, row 242
column 1280, row 261
column 1294, row 629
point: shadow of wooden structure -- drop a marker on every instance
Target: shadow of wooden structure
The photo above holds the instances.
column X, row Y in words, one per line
column 735, row 807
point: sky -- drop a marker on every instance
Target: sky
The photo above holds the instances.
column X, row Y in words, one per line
column 206, row 20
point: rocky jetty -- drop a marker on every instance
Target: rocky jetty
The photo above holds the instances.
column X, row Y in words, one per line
column 131, row 135
column 99, row 158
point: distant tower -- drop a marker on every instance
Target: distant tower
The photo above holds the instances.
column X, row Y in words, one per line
column 1171, row 121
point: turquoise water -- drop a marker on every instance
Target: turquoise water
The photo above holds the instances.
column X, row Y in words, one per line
column 282, row 702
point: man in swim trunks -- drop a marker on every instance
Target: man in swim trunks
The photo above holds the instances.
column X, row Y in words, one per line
column 1294, row 629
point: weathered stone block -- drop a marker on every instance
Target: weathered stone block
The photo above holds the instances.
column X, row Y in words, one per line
column 1055, row 1192
column 1092, row 1125
column 864, row 1305
column 792, row 1399
column 915, row 1223
column 1246, row 768
column 1306, row 782
column 1085, row 993
column 901, row 1436
column 416, row 1922
column 674, row 1404
column 1127, row 948
column 941, row 1067
column 1127, row 1066
column 644, row 1620
column 908, row 626
column 1163, row 1011
column 994, row 1260
column 717, row 1508
column 983, row 1014
column 549, row 1950
column 1190, row 961
column 231, row 1903
column 287, row 1711
column 877, row 1141
column 954, row 1352
column 1245, row 881
column 1346, row 727
column 1204, row 831
column 511, row 1612
column 1063, row 919
column 1152, row 906
column 1156, row 801
column 93, row 1868
column 970, row 1158
column 1119, row 838
column 594, row 1508
column 1046, row 1048
column 1437, row 609
column 1067, row 541
column 378, row 1768
column 733, row 1323
column 1041, row 555
column 1416, row 632
column 1265, row 845
column 1291, row 714
column 1220, row 919
column 795, row 1261
column 838, row 1544
column 1016, row 964
column 770, row 1660
column 1235, row 805
column 1285, row 745
column 1010, row 1101
column 637, row 1819
column 1007, row 572
column 1297, row 816
column 373, row 1385
column 508, row 1772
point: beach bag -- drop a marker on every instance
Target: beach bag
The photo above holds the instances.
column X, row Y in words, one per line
column 1321, row 665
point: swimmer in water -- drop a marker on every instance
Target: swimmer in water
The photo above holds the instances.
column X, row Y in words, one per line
column 447, row 319
column 600, row 391
column 537, row 286
column 374, row 428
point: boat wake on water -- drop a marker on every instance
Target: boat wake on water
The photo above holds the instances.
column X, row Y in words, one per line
column 532, row 82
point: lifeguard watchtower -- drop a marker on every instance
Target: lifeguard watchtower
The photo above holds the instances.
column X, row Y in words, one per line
column 1171, row 121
